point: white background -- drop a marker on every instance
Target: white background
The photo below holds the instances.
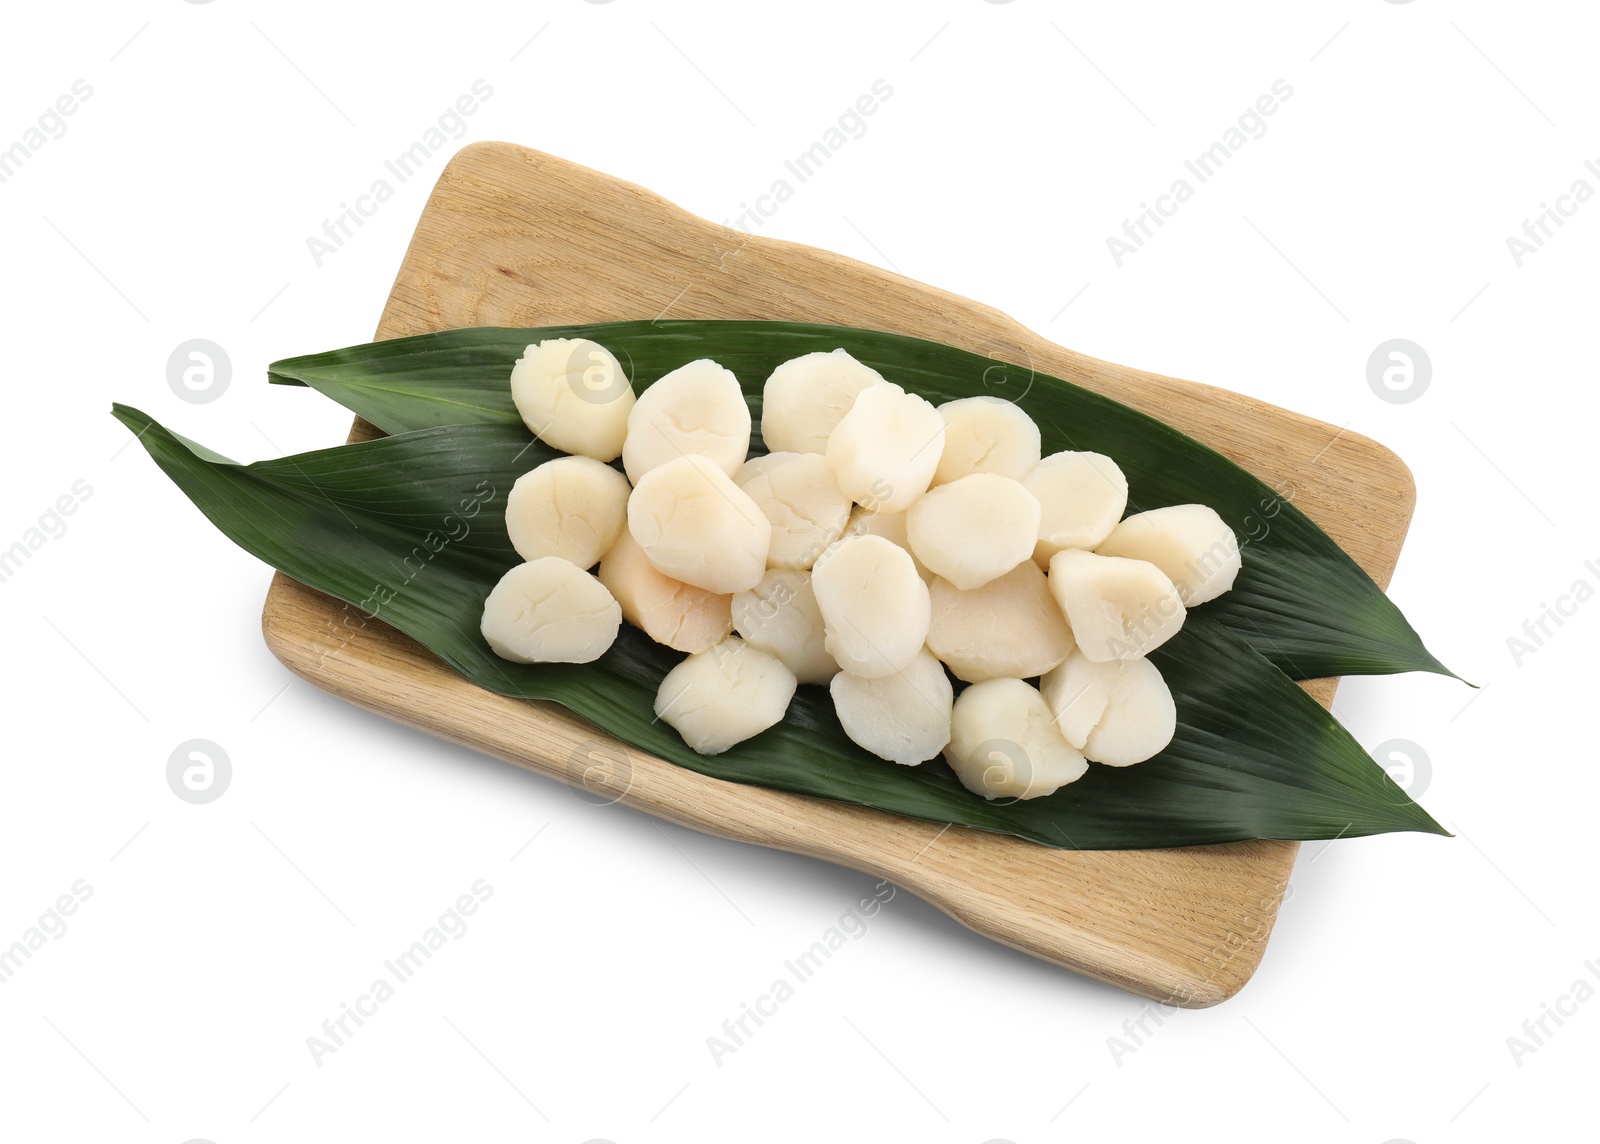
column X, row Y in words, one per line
column 218, row 938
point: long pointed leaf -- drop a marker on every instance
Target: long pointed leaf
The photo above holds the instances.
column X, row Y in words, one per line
column 1301, row 601
column 409, row 527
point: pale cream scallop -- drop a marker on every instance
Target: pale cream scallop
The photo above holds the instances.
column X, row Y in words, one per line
column 1189, row 542
column 805, row 397
column 724, row 695
column 571, row 507
column 1117, row 714
column 798, row 493
column 1076, row 694
column 679, row 615
column 696, row 409
column 974, row 529
column 1081, row 498
column 573, row 394
column 780, row 615
column 1140, row 720
column 986, row 435
column 1011, row 627
column 697, row 526
column 874, row 605
column 885, row 449
column 904, row 717
column 889, row 525
column 1004, row 743
column 1117, row 608
column 550, row 611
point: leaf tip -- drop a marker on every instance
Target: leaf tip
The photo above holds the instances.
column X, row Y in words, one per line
column 128, row 415
column 1429, row 824
column 283, row 372
column 1436, row 666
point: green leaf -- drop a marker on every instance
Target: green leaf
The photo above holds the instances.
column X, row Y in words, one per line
column 1300, row 600
column 410, row 528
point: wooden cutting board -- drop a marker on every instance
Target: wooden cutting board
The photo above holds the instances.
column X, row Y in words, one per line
column 512, row 237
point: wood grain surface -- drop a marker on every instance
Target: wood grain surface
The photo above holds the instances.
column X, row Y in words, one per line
column 513, row 237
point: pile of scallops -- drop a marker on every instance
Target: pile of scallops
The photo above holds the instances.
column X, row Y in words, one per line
column 882, row 546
